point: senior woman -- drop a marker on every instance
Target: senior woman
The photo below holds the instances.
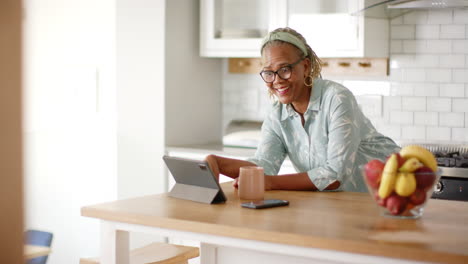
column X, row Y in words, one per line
column 316, row 123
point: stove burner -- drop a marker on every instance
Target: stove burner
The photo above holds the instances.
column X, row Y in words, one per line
column 451, row 159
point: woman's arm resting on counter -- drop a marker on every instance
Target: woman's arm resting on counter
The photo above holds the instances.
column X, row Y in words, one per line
column 226, row 166
column 295, row 181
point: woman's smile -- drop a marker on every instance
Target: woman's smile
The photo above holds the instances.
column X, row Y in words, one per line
column 282, row 90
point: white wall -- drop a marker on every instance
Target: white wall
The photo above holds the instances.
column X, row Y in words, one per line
column 69, row 127
column 140, row 101
column 95, row 109
column 425, row 98
column 193, row 84
column 140, row 96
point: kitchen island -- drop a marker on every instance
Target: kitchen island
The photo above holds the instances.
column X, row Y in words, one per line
column 317, row 227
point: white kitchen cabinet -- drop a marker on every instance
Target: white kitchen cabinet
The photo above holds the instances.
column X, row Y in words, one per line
column 235, row 28
column 231, row 28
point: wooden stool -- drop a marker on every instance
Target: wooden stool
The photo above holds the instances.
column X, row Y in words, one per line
column 157, row 253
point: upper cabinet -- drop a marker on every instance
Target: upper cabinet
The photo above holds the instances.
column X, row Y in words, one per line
column 235, row 28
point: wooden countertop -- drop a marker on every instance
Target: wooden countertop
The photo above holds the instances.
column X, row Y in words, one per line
column 343, row 221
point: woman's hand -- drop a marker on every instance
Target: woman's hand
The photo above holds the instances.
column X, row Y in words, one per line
column 268, row 182
column 235, row 183
column 213, row 164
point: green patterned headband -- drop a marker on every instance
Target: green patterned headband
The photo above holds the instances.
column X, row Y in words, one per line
column 286, row 37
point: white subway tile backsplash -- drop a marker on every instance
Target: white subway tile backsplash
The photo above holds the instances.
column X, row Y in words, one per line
column 402, row 31
column 416, row 17
column 414, row 46
column 427, row 32
column 440, row 16
column 460, row 46
column 400, row 89
column 466, row 120
column 395, row 75
column 396, row 46
column 460, row 105
column 401, row 117
column 460, row 16
column 426, row 118
column 438, row 133
column 426, row 61
column 452, row 119
column 438, row 46
column 392, row 103
column 413, row 132
column 426, row 89
column 413, row 103
column 438, row 75
column 391, row 131
column 452, row 32
column 368, row 87
column 414, row 75
column 460, row 75
column 452, row 61
column 452, row 90
column 401, row 61
column 397, row 20
column 439, row 104
column 460, row 134
column 414, row 61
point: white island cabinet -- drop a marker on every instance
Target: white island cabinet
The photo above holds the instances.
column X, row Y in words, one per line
column 231, row 28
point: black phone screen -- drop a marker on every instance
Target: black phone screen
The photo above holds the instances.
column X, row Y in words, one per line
column 265, row 204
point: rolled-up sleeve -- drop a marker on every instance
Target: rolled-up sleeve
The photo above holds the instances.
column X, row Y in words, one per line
column 343, row 143
column 271, row 152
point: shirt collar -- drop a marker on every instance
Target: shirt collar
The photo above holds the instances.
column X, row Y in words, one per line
column 314, row 103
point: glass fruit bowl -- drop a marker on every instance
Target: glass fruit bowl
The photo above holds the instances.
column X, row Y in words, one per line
column 407, row 195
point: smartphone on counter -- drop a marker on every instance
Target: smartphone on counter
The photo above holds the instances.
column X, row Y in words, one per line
column 265, row 204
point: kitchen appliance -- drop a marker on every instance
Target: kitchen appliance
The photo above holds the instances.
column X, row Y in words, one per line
column 453, row 161
column 242, row 134
column 395, row 8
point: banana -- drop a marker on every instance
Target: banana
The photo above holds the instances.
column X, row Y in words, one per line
column 410, row 165
column 422, row 154
column 387, row 183
column 405, row 184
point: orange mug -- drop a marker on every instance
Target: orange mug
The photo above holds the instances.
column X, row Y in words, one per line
column 251, row 183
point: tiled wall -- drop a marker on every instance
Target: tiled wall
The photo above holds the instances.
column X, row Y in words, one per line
column 425, row 97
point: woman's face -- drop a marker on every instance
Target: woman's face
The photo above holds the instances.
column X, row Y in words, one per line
column 293, row 89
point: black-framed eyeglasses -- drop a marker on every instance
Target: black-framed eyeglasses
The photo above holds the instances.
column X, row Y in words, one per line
column 283, row 72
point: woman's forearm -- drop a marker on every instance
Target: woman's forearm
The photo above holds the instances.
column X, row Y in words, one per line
column 229, row 167
column 295, row 181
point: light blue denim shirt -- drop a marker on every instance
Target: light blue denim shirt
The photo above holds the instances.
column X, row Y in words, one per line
column 335, row 140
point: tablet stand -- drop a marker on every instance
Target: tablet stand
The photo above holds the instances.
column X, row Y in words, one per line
column 197, row 193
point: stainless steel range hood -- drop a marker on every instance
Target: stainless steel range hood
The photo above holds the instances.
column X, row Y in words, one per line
column 394, row 8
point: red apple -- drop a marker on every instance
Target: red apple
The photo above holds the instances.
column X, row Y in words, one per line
column 379, row 200
column 373, row 171
column 396, row 204
column 425, row 178
column 418, row 197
